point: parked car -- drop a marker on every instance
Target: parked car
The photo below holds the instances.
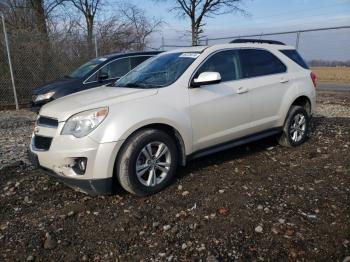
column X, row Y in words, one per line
column 177, row 106
column 99, row 71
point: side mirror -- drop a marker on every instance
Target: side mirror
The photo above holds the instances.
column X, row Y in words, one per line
column 206, row 78
column 102, row 76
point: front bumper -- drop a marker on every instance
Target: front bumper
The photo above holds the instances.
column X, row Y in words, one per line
column 58, row 161
column 90, row 186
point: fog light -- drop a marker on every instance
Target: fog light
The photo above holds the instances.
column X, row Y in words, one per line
column 79, row 166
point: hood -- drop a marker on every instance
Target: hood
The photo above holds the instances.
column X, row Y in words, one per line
column 53, row 86
column 67, row 106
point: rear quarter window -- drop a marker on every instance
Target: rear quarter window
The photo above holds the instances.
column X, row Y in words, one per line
column 294, row 55
column 258, row 62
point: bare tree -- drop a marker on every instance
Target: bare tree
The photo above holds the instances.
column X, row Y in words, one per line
column 197, row 10
column 30, row 14
column 142, row 27
column 89, row 9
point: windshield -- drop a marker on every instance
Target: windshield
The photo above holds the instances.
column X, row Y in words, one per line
column 158, row 71
column 87, row 67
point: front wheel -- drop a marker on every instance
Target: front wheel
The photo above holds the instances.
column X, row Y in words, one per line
column 147, row 162
column 296, row 127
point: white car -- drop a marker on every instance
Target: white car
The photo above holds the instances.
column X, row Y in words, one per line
column 174, row 107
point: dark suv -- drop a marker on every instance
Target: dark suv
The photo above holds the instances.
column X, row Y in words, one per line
column 99, row 71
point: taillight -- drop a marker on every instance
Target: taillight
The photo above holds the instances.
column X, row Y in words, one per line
column 313, row 78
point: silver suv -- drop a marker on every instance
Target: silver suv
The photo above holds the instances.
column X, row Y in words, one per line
column 174, row 107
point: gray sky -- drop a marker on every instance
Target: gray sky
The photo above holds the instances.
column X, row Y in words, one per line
column 266, row 16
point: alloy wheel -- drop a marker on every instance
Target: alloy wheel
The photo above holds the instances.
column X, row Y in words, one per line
column 153, row 164
column 298, row 127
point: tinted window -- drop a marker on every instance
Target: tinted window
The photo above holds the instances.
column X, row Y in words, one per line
column 294, row 55
column 256, row 62
column 226, row 63
column 87, row 67
column 115, row 69
column 135, row 61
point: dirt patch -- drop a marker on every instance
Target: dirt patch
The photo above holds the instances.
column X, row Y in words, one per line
column 256, row 202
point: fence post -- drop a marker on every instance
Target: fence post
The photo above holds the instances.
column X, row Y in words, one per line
column 297, row 41
column 9, row 60
column 96, row 49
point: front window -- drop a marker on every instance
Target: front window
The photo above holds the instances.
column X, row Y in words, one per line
column 87, row 67
column 159, row 71
column 226, row 63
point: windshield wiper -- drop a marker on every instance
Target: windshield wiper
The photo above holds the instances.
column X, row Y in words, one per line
column 137, row 85
column 132, row 85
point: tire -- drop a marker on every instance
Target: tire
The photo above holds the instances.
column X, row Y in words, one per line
column 135, row 156
column 295, row 134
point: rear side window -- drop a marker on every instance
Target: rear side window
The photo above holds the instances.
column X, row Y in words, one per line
column 294, row 55
column 225, row 62
column 257, row 62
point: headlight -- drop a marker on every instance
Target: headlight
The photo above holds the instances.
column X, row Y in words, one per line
column 83, row 123
column 42, row 97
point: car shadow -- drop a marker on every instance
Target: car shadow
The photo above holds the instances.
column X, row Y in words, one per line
column 227, row 156
column 238, row 152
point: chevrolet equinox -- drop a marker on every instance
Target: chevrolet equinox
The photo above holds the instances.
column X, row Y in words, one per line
column 176, row 106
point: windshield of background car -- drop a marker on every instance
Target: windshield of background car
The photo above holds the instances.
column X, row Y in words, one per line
column 87, row 67
column 158, row 71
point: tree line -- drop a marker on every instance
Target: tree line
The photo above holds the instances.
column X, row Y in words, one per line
column 328, row 63
column 124, row 25
column 50, row 38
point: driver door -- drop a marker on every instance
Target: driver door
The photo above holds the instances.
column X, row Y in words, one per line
column 220, row 112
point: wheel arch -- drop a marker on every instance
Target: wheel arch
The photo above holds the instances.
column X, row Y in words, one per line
column 170, row 130
column 304, row 102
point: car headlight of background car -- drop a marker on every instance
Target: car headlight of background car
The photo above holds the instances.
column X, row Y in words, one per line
column 43, row 97
column 83, row 123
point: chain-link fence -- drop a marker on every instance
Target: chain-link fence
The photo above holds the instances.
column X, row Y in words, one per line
column 37, row 60
column 329, row 44
column 6, row 91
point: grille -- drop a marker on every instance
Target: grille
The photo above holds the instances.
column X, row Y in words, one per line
column 42, row 142
column 47, row 121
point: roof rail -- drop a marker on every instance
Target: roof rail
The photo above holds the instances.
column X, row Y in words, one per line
column 260, row 41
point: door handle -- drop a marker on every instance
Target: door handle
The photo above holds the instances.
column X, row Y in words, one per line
column 242, row 90
column 284, row 80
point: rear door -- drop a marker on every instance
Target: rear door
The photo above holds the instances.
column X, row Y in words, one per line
column 268, row 81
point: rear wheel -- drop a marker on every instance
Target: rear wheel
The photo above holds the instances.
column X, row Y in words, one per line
column 296, row 127
column 147, row 162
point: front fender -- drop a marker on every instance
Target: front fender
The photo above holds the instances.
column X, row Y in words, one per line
column 126, row 118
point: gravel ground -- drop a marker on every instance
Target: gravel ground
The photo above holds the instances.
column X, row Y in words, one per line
column 255, row 202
